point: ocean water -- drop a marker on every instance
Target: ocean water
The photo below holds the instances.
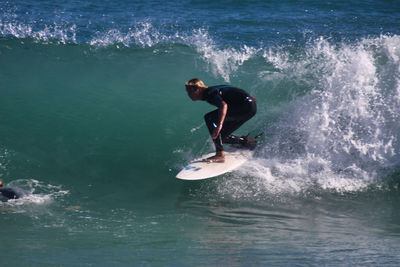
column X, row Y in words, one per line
column 95, row 123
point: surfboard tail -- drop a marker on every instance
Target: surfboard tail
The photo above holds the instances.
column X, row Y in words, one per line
column 250, row 142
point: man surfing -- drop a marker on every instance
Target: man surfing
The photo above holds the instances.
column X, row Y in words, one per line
column 7, row 193
column 235, row 107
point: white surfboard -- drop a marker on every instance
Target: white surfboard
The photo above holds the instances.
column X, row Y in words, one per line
column 198, row 169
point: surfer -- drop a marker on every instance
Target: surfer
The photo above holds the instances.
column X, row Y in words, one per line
column 235, row 107
column 7, row 193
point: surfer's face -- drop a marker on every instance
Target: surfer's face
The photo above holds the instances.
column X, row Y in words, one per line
column 193, row 92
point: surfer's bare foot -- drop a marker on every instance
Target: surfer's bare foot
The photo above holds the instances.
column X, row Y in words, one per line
column 219, row 158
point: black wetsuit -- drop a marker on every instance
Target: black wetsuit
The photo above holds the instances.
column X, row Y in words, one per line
column 241, row 108
column 7, row 193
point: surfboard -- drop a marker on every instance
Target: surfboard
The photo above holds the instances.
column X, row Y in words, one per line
column 198, row 169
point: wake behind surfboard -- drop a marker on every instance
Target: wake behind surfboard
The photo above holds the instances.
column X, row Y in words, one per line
column 198, row 169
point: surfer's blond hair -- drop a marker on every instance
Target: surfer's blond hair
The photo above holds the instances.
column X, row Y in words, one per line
column 195, row 82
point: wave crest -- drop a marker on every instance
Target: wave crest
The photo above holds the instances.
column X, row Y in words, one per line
column 61, row 33
column 343, row 134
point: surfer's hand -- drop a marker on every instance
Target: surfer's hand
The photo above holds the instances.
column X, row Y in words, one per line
column 222, row 110
column 216, row 133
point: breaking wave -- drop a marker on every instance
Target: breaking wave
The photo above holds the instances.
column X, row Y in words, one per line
column 343, row 134
column 338, row 127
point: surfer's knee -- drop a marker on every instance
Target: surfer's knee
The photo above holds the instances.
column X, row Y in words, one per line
column 209, row 116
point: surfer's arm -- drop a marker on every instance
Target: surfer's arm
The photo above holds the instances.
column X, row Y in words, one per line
column 222, row 110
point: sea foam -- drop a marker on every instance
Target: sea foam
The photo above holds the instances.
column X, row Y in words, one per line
column 343, row 135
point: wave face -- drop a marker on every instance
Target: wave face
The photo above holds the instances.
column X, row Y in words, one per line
column 95, row 123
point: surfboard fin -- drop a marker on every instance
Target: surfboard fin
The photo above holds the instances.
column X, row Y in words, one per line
column 258, row 135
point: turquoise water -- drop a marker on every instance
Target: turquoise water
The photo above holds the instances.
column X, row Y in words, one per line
column 95, row 123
